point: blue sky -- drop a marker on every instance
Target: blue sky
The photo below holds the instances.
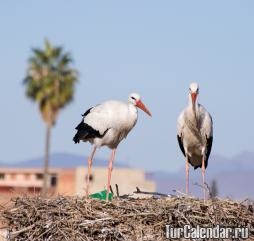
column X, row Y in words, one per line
column 155, row 48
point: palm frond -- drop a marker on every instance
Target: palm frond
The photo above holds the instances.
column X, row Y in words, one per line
column 50, row 79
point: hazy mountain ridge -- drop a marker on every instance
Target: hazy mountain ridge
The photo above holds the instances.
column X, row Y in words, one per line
column 62, row 160
column 233, row 175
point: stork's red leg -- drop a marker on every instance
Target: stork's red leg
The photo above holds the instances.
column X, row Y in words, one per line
column 110, row 168
column 187, row 175
column 203, row 177
column 90, row 161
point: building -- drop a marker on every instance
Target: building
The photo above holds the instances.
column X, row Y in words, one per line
column 70, row 181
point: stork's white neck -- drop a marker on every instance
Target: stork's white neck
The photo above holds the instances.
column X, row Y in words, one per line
column 191, row 105
column 193, row 108
column 132, row 108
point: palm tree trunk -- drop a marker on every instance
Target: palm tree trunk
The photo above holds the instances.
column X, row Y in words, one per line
column 46, row 162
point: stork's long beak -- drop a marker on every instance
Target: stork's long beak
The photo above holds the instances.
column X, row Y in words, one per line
column 140, row 105
column 193, row 97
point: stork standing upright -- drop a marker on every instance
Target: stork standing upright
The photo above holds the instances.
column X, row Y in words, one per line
column 108, row 124
column 195, row 134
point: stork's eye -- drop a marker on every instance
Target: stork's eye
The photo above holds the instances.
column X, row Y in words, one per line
column 133, row 98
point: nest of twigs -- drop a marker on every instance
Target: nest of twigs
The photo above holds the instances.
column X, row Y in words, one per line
column 74, row 218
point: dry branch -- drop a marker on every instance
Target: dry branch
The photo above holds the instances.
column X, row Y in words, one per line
column 77, row 219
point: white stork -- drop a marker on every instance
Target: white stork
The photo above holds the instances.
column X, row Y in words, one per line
column 108, row 124
column 195, row 134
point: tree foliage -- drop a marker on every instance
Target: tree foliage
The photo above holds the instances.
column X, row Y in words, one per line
column 50, row 80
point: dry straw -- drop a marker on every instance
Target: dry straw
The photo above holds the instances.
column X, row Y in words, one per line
column 76, row 219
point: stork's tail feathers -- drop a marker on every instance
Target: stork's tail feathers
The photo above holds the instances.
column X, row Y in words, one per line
column 200, row 166
column 76, row 138
column 81, row 134
column 85, row 132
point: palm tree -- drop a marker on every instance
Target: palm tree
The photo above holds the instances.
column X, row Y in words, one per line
column 50, row 81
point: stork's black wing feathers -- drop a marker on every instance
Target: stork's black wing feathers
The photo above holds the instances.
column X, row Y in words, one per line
column 209, row 143
column 180, row 142
column 87, row 112
column 85, row 131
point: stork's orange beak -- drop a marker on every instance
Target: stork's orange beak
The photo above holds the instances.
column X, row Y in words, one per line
column 140, row 105
column 193, row 97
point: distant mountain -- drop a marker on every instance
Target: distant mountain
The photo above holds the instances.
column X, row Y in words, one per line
column 236, row 185
column 234, row 177
column 241, row 162
column 62, row 160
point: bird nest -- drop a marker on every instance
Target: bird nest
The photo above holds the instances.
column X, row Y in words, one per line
column 75, row 218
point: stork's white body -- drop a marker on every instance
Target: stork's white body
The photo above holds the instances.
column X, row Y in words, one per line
column 115, row 119
column 195, row 134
